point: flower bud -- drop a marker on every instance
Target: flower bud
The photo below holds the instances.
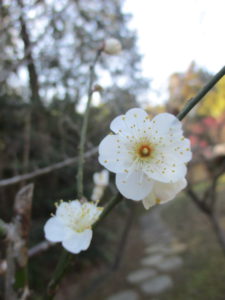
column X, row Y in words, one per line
column 112, row 46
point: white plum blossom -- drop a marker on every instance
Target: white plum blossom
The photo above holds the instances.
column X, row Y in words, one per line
column 72, row 225
column 143, row 152
column 163, row 192
column 112, row 46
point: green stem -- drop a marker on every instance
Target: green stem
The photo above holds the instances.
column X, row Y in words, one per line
column 84, row 129
column 59, row 272
column 111, row 204
column 201, row 94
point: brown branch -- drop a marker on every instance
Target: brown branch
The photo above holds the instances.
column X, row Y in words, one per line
column 46, row 170
column 16, row 254
column 35, row 250
column 39, row 248
column 22, row 213
column 200, row 204
column 33, row 76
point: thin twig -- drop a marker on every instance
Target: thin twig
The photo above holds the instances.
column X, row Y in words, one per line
column 39, row 248
column 201, row 94
column 196, row 199
column 35, row 250
column 84, row 128
column 111, row 204
column 46, row 170
column 59, row 272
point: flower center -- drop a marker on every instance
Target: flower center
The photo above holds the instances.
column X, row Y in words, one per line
column 145, row 151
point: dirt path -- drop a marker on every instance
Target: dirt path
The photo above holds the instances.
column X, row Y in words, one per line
column 151, row 258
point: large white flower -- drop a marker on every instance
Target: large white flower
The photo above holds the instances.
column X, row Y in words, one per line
column 72, row 224
column 142, row 151
column 163, row 192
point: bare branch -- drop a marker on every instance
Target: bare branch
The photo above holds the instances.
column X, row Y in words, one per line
column 194, row 197
column 22, row 211
column 46, row 170
column 16, row 253
column 39, row 248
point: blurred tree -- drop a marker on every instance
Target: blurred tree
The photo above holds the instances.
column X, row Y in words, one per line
column 51, row 45
column 214, row 104
column 183, row 86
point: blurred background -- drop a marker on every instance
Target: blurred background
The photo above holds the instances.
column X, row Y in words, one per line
column 170, row 51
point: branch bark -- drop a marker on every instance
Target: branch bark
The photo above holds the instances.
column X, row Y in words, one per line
column 33, row 76
column 67, row 162
column 16, row 279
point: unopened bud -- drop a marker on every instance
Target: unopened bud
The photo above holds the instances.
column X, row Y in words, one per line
column 112, row 46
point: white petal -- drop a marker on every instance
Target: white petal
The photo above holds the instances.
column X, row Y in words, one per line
column 134, row 186
column 119, row 126
column 54, row 230
column 167, row 170
column 78, row 241
column 165, row 122
column 113, row 155
column 66, row 208
column 136, row 115
column 149, row 201
column 167, row 191
column 130, row 124
column 180, row 149
column 75, row 204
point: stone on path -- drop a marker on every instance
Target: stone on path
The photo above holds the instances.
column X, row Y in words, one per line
column 157, row 285
column 140, row 275
column 152, row 260
column 124, row 295
column 160, row 249
column 170, row 264
column 178, row 247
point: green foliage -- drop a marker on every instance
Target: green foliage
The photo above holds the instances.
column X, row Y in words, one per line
column 214, row 103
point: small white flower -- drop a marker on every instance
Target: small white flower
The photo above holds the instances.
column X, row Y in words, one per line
column 101, row 178
column 112, row 46
column 142, row 152
column 163, row 192
column 72, row 224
